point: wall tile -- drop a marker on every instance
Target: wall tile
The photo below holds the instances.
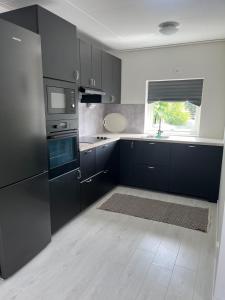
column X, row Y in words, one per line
column 135, row 115
column 91, row 119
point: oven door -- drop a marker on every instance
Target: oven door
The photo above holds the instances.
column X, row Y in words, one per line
column 63, row 153
column 60, row 100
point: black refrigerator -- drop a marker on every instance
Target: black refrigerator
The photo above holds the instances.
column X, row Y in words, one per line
column 24, row 192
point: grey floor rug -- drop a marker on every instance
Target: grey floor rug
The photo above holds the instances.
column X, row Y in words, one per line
column 192, row 217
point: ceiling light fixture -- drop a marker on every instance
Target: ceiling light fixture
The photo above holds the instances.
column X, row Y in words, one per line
column 169, row 27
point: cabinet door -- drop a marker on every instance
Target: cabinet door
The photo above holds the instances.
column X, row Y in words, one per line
column 97, row 67
column 88, row 163
column 195, row 170
column 152, row 152
column 85, row 64
column 64, row 199
column 104, row 157
column 151, row 177
column 59, row 47
column 107, row 161
column 78, row 63
column 107, row 77
column 116, row 82
column 126, row 162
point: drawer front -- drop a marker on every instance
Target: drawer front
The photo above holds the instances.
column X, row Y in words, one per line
column 151, row 176
column 88, row 192
column 152, row 152
column 95, row 187
column 88, row 163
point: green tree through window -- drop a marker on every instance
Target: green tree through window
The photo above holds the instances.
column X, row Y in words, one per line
column 174, row 117
column 173, row 113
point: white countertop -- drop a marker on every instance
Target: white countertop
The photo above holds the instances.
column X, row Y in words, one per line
column 146, row 137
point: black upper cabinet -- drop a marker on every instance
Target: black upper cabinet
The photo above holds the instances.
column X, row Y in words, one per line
column 90, row 65
column 107, row 77
column 59, row 38
column 85, row 63
column 195, row 170
column 97, row 67
column 111, row 78
column 116, row 80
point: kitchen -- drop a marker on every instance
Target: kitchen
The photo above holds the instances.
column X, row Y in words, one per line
column 98, row 161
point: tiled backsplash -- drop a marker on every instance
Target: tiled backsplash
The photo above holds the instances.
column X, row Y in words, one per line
column 91, row 119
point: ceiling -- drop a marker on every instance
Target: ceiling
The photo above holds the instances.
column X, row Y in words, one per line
column 131, row 24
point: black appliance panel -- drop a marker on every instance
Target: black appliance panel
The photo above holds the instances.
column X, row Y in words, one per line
column 23, row 151
column 24, row 222
column 61, row 125
column 63, row 153
column 60, row 100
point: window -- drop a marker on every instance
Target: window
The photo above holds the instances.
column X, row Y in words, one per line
column 175, row 117
column 174, row 106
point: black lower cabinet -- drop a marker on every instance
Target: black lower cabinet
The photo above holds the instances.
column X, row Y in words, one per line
column 195, row 170
column 192, row 170
column 151, row 177
column 64, row 198
column 126, row 160
column 24, row 222
column 96, row 187
column 90, row 191
column 88, row 163
column 107, row 161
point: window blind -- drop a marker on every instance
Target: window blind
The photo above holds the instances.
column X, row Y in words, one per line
column 176, row 91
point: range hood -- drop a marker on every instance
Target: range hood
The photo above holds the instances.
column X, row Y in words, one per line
column 90, row 95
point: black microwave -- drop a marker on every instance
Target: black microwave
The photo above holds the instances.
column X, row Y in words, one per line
column 60, row 100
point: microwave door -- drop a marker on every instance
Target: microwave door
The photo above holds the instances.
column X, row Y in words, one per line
column 56, row 100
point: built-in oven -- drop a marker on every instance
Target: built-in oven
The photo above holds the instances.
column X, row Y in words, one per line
column 63, row 152
column 60, row 99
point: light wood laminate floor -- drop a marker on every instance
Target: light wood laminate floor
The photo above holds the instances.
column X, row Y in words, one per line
column 107, row 256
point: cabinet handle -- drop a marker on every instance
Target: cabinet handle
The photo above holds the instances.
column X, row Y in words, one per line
column 94, row 82
column 88, row 181
column 105, row 146
column 88, row 151
column 79, row 174
column 112, row 98
column 91, row 82
column 151, row 143
column 77, row 75
column 132, row 145
column 105, row 171
column 191, row 146
column 150, row 167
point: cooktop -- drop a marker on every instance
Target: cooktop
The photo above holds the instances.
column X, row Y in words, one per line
column 92, row 139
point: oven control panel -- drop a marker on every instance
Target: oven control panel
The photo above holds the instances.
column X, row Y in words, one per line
column 61, row 125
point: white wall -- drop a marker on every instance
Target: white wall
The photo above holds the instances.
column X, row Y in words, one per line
column 190, row 61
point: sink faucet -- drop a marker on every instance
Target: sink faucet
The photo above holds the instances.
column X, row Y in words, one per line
column 159, row 132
